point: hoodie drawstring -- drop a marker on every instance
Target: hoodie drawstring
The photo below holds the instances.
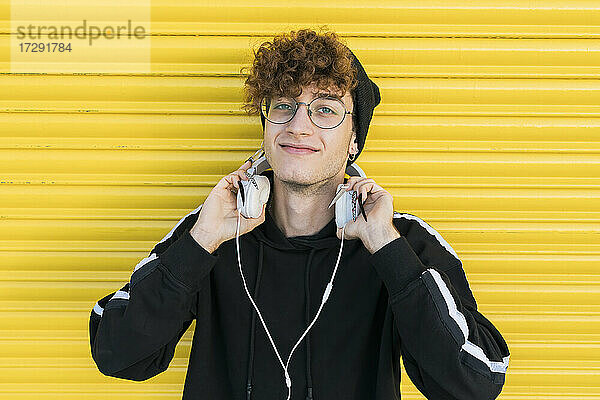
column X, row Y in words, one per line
column 309, row 395
column 253, row 325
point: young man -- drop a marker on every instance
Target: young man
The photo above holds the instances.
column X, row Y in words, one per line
column 400, row 290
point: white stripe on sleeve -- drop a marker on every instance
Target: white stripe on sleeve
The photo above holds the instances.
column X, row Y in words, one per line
column 459, row 318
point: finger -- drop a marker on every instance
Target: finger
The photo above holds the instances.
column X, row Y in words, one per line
column 358, row 186
column 370, row 185
column 225, row 182
column 352, row 181
column 246, row 165
column 241, row 174
column 235, row 179
column 377, row 190
column 372, row 189
column 358, row 180
column 241, row 171
column 366, row 189
column 232, row 181
column 363, row 189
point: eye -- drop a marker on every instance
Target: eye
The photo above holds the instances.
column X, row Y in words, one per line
column 325, row 110
column 283, row 106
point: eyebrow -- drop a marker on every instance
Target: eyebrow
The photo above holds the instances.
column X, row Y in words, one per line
column 326, row 94
column 322, row 94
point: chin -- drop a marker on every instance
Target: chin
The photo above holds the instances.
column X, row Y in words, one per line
column 295, row 170
column 295, row 174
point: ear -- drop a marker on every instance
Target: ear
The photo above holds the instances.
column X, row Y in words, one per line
column 353, row 146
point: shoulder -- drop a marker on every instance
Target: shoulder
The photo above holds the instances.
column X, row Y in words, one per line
column 426, row 241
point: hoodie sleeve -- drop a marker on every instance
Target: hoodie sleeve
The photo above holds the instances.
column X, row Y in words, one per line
column 449, row 349
column 134, row 331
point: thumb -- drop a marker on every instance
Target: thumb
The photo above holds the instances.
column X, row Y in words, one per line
column 261, row 218
column 263, row 214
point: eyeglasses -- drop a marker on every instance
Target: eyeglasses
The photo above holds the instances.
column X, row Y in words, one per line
column 325, row 112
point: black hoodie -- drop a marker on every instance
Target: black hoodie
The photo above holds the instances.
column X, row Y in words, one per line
column 410, row 299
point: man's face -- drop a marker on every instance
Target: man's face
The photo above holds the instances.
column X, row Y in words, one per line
column 303, row 168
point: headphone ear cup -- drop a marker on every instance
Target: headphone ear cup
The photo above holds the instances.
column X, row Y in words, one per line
column 256, row 196
column 265, row 188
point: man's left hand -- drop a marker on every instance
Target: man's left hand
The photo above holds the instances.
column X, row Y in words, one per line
column 379, row 229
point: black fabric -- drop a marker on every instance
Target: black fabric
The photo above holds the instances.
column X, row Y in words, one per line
column 354, row 348
column 273, row 236
column 366, row 97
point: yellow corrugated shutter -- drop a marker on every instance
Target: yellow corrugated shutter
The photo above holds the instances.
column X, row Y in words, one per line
column 486, row 130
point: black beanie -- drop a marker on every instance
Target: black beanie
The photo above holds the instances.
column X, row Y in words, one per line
column 365, row 97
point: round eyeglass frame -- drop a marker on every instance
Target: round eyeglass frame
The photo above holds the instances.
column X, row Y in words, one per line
column 297, row 103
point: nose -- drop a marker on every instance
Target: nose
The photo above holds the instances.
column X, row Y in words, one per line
column 301, row 123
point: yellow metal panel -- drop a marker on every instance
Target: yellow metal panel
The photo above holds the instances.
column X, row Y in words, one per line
column 487, row 129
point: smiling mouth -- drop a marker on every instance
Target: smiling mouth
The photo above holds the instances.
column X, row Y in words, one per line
column 298, row 148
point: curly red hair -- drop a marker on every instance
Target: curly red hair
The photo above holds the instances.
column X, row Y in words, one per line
column 295, row 59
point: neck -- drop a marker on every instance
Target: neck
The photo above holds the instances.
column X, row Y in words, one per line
column 300, row 210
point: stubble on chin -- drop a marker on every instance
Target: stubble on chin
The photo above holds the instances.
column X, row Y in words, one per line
column 307, row 182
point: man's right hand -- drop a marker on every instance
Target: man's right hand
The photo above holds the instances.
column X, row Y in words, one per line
column 217, row 221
